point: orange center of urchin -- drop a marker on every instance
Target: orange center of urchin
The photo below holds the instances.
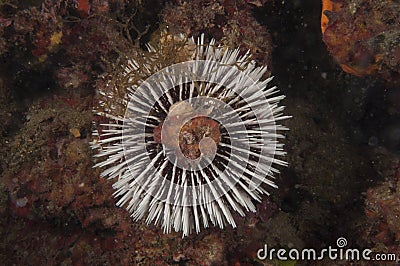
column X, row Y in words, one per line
column 193, row 137
column 199, row 136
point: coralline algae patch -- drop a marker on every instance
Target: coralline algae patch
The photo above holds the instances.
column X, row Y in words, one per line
column 383, row 212
column 363, row 36
column 229, row 22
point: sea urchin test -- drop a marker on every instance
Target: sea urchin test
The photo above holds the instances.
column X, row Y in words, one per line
column 197, row 142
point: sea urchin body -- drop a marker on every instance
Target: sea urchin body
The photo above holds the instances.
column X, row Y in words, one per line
column 198, row 140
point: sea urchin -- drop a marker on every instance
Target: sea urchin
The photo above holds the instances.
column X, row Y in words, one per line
column 198, row 140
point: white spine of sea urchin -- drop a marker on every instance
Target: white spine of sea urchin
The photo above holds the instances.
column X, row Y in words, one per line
column 198, row 140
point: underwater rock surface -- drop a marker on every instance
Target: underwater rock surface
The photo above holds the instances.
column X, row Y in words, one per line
column 342, row 178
